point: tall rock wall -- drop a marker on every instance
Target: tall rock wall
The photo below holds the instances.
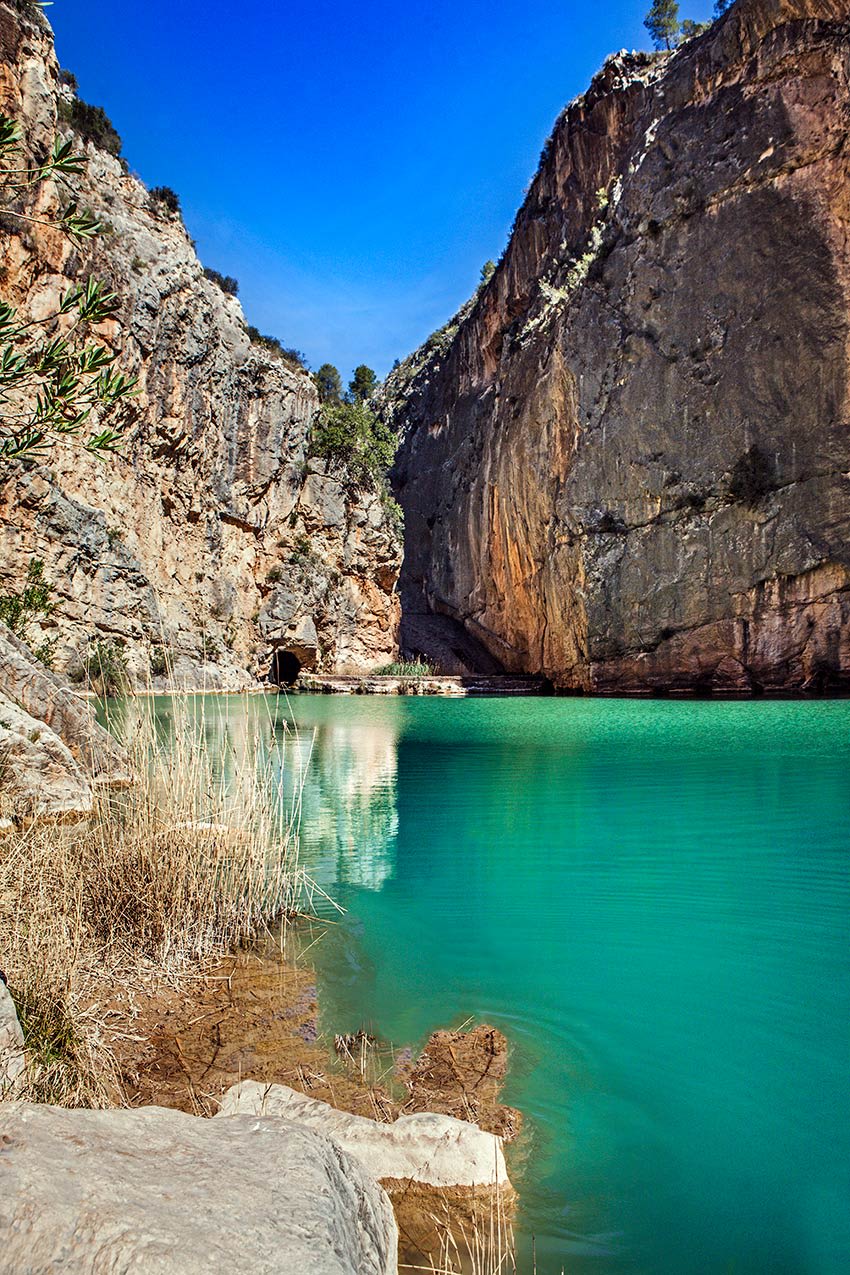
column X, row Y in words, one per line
column 213, row 533
column 625, row 465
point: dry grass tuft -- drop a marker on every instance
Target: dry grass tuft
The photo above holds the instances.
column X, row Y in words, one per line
column 191, row 860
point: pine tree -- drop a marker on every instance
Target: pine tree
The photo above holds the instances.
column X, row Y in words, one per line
column 662, row 23
column 329, row 384
column 362, row 385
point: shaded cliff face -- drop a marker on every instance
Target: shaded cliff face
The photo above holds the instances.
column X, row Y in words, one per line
column 213, row 531
column 627, row 466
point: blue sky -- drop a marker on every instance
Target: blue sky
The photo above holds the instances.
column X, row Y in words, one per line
column 353, row 165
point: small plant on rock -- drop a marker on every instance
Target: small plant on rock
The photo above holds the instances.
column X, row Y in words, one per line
column 166, row 198
column 105, row 665
column 19, row 611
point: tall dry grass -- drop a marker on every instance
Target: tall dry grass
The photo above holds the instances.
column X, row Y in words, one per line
column 194, row 858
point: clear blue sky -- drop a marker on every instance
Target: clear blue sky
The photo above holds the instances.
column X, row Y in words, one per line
column 353, row 165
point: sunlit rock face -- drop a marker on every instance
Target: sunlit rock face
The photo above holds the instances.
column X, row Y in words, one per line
column 213, row 532
column 626, row 464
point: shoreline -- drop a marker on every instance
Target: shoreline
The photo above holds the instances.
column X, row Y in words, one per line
column 254, row 1015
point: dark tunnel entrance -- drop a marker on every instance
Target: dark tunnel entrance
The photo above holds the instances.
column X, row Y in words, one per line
column 285, row 668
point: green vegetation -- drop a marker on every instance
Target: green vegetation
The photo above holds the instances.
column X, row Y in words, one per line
column 69, row 79
column 328, row 383
column 166, row 197
column 105, row 668
column 487, row 272
column 21, row 610
column 160, row 661
column 362, row 385
column 353, row 438
column 407, row 668
column 54, row 381
column 225, row 281
column 662, row 23
column 92, row 124
column 293, row 357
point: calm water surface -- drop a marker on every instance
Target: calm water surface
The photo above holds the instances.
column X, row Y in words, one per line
column 652, row 899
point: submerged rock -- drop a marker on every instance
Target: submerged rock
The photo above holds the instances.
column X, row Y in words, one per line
column 434, row 1150
column 12, row 1060
column 158, row 1190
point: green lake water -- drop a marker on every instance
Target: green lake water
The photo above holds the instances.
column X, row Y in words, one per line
column 652, row 899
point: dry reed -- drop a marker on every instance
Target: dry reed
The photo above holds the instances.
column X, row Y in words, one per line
column 192, row 859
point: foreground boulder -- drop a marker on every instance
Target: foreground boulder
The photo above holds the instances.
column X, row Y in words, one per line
column 158, row 1190
column 432, row 1149
column 445, row 1177
column 11, row 1043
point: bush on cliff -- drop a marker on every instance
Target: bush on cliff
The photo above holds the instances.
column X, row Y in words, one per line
column 291, row 356
column 354, row 440
column 166, row 197
column 224, row 281
column 92, row 124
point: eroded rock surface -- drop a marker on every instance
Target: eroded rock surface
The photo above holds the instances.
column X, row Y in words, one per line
column 435, row 1150
column 626, row 461
column 52, row 750
column 213, row 539
column 152, row 1189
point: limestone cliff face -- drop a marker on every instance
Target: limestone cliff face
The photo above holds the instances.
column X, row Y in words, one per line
column 213, row 531
column 626, row 466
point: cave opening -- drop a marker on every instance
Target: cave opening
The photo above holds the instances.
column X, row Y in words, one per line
column 285, row 668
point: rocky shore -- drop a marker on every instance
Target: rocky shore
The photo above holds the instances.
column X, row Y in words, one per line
column 333, row 1167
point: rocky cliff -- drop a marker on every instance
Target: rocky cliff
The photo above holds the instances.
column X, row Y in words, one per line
column 625, row 464
column 214, row 534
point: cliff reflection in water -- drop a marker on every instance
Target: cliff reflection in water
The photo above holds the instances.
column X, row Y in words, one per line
column 349, row 812
column 344, row 777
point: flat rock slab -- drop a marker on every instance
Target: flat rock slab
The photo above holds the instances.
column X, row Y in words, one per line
column 434, row 1150
column 160, row 1191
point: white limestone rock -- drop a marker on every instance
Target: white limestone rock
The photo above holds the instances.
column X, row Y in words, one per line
column 434, row 1150
column 38, row 774
column 160, row 1191
column 12, row 1059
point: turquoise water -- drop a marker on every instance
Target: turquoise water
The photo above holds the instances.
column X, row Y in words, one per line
column 652, row 899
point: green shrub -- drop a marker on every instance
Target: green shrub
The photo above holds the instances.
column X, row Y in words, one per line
column 293, row 357
column 69, row 79
column 407, row 668
column 752, row 477
column 20, row 610
column 105, row 667
column 92, row 123
column 225, row 281
column 167, row 197
column 353, row 439
column 160, row 664
column 274, row 575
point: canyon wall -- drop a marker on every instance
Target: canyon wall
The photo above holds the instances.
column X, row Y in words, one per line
column 213, row 534
column 625, row 463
